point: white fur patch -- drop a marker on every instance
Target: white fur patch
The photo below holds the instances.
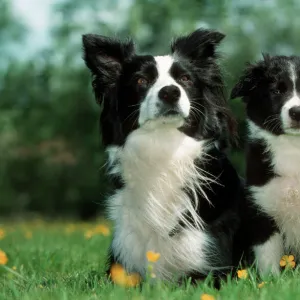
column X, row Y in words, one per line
column 280, row 197
column 269, row 254
column 294, row 101
column 156, row 162
column 150, row 106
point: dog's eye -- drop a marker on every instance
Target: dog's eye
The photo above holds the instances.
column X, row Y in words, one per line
column 142, row 81
column 281, row 88
column 185, row 78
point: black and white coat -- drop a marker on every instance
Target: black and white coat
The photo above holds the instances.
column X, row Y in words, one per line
column 164, row 124
column 271, row 213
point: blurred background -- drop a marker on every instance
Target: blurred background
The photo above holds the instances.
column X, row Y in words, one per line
column 51, row 160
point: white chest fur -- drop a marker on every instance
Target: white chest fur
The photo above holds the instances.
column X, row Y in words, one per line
column 155, row 165
column 280, row 197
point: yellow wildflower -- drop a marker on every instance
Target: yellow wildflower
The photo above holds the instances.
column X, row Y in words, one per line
column 152, row 256
column 14, row 268
column 120, row 277
column 287, row 261
column 262, row 284
column 88, row 234
column 3, row 258
column 207, row 297
column 102, row 229
column 2, row 234
column 242, row 274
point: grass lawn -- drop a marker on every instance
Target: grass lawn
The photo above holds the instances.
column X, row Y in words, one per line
column 65, row 261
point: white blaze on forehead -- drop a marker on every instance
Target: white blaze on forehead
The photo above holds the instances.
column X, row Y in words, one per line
column 293, row 101
column 149, row 109
column 293, row 75
column 164, row 64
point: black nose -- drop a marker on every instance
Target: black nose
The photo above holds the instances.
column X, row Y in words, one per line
column 170, row 93
column 294, row 113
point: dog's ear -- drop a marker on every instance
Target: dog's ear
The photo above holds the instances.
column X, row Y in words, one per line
column 244, row 85
column 253, row 75
column 199, row 44
column 104, row 57
column 248, row 82
column 266, row 57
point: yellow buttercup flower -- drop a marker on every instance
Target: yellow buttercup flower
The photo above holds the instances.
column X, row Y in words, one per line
column 102, row 229
column 119, row 276
column 152, row 256
column 287, row 261
column 3, row 258
column 207, row 297
column 88, row 234
column 262, row 284
column 2, row 234
column 242, row 274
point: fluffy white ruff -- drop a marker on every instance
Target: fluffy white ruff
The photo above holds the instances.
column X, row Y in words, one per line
column 156, row 163
column 280, row 197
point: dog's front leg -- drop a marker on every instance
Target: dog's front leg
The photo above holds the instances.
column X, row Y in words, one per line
column 268, row 255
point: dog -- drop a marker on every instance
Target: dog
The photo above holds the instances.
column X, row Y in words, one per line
column 270, row 226
column 165, row 126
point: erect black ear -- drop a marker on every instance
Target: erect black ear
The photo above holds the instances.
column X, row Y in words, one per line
column 253, row 75
column 266, row 57
column 247, row 83
column 104, row 57
column 199, row 44
column 244, row 85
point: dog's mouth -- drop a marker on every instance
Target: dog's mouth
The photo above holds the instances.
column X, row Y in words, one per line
column 167, row 114
column 294, row 128
column 295, row 125
column 171, row 112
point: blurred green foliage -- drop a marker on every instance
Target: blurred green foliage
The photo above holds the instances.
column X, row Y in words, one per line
column 51, row 160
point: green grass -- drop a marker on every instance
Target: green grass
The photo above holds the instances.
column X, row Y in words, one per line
column 55, row 264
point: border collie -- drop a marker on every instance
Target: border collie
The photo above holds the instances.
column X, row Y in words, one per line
column 271, row 224
column 164, row 123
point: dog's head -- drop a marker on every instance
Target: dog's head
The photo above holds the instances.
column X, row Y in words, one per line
column 271, row 91
column 183, row 89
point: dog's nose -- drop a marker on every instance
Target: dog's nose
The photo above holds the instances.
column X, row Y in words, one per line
column 170, row 94
column 294, row 113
